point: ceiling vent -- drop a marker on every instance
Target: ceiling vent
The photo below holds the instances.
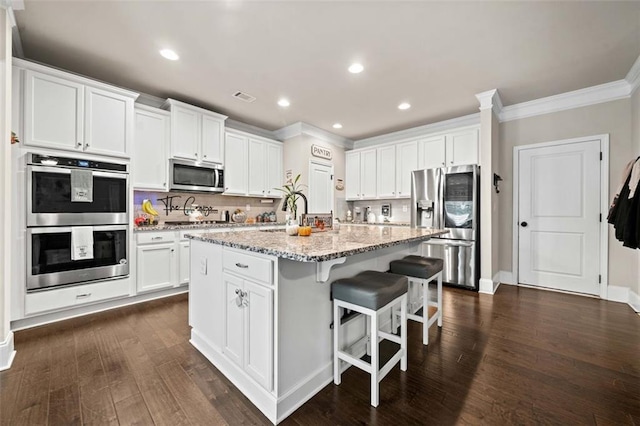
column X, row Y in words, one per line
column 244, row 97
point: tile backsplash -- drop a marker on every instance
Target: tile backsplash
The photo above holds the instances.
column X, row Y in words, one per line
column 398, row 215
column 171, row 205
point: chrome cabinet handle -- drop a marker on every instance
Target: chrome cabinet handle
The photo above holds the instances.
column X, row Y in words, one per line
column 242, row 265
column 156, row 238
column 81, row 296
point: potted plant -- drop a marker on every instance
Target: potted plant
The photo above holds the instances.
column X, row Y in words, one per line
column 292, row 192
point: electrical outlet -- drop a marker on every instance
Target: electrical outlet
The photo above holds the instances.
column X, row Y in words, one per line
column 247, row 207
column 203, row 266
column 405, row 208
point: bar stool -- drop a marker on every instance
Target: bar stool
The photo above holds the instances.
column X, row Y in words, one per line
column 370, row 293
column 422, row 270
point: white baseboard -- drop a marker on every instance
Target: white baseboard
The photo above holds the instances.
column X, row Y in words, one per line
column 7, row 352
column 634, row 301
column 618, row 294
column 486, row 286
column 506, row 277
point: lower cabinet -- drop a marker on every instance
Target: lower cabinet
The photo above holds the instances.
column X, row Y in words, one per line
column 183, row 267
column 248, row 327
column 156, row 266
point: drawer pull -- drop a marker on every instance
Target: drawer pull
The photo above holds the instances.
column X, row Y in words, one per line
column 156, row 238
column 242, row 265
column 82, row 296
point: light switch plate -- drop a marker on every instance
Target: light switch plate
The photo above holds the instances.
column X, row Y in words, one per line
column 405, row 208
column 203, row 266
column 248, row 207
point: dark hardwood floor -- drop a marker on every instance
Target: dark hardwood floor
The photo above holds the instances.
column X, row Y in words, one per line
column 520, row 357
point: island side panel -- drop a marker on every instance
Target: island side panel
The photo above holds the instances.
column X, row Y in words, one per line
column 305, row 349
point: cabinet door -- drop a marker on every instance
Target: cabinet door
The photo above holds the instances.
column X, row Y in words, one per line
column 212, row 139
column 235, row 165
column 258, row 355
column 431, row 153
column 233, row 338
column 386, row 172
column 155, row 266
column 275, row 173
column 150, row 151
column 352, row 175
column 53, row 112
column 108, row 122
column 462, row 148
column 257, row 167
column 406, row 162
column 368, row 173
column 185, row 133
column 184, row 262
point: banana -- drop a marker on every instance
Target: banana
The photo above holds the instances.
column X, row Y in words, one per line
column 147, row 207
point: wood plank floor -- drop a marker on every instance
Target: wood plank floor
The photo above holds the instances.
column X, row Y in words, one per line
column 522, row 356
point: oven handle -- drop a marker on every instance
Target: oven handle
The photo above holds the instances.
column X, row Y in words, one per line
column 63, row 229
column 63, row 171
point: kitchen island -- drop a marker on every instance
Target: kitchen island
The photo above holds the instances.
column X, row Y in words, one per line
column 260, row 307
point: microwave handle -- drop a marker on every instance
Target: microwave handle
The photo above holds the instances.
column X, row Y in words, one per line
column 216, row 180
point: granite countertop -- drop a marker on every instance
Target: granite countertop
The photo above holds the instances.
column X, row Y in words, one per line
column 320, row 246
column 195, row 225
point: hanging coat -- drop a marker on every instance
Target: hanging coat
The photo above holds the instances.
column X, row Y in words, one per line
column 625, row 211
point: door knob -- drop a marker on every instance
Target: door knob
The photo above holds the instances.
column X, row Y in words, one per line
column 524, row 224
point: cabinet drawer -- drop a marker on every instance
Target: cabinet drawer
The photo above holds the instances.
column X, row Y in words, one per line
column 250, row 266
column 155, row 237
column 74, row 296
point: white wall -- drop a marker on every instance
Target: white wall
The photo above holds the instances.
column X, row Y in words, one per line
column 613, row 118
column 6, row 343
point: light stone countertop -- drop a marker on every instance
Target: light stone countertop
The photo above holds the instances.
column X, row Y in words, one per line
column 195, row 225
column 320, row 246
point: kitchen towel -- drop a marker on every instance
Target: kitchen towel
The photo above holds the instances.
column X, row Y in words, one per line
column 81, row 242
column 81, row 186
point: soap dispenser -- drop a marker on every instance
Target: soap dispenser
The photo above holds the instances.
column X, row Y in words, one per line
column 371, row 216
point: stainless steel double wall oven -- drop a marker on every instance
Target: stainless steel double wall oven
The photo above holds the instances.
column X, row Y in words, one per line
column 52, row 215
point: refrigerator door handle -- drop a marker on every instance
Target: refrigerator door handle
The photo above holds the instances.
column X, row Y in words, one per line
column 449, row 243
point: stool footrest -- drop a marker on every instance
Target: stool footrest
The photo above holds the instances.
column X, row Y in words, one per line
column 355, row 361
column 388, row 336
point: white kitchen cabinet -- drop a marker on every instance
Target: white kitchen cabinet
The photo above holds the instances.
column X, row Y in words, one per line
column 183, row 262
column 462, row 147
column 275, row 173
column 406, row 162
column 386, row 172
column 234, row 317
column 196, row 134
column 150, row 158
column 236, row 164
column 155, row 266
column 361, row 169
column 67, row 112
column 431, row 152
column 257, row 167
column 453, row 149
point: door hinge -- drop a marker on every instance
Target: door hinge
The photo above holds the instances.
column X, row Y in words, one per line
column 600, row 217
column 599, row 279
column 600, row 155
column 331, row 177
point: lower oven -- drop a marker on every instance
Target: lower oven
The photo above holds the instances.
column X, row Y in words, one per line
column 49, row 256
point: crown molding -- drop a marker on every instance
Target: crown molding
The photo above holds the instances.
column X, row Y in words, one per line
column 16, row 40
column 490, row 100
column 414, row 132
column 633, row 76
column 578, row 98
column 150, row 100
column 301, row 128
column 249, row 128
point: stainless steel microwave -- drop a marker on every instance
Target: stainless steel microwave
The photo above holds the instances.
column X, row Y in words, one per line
column 195, row 176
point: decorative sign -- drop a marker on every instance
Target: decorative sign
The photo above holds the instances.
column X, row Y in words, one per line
column 171, row 204
column 339, row 184
column 321, row 152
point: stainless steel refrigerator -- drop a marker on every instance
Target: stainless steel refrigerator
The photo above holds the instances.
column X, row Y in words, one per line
column 449, row 198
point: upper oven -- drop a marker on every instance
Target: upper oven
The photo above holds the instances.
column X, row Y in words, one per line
column 195, row 176
column 70, row 191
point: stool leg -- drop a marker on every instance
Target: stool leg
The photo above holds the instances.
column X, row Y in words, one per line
column 367, row 332
column 425, row 313
column 440, row 299
column 336, row 343
column 375, row 361
column 403, row 333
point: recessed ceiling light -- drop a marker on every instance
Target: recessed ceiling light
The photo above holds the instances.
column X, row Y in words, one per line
column 356, row 68
column 404, row 105
column 283, row 102
column 169, row 54
column 337, row 126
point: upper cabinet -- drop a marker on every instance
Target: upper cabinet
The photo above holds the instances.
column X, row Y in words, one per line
column 385, row 172
column 196, row 134
column 150, row 158
column 453, row 149
column 253, row 165
column 67, row 112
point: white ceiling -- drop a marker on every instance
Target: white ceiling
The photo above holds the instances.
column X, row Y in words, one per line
column 435, row 55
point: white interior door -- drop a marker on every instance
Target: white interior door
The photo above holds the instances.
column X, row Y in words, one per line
column 320, row 188
column 559, row 216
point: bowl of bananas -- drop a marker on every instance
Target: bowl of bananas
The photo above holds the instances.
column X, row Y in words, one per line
column 147, row 207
